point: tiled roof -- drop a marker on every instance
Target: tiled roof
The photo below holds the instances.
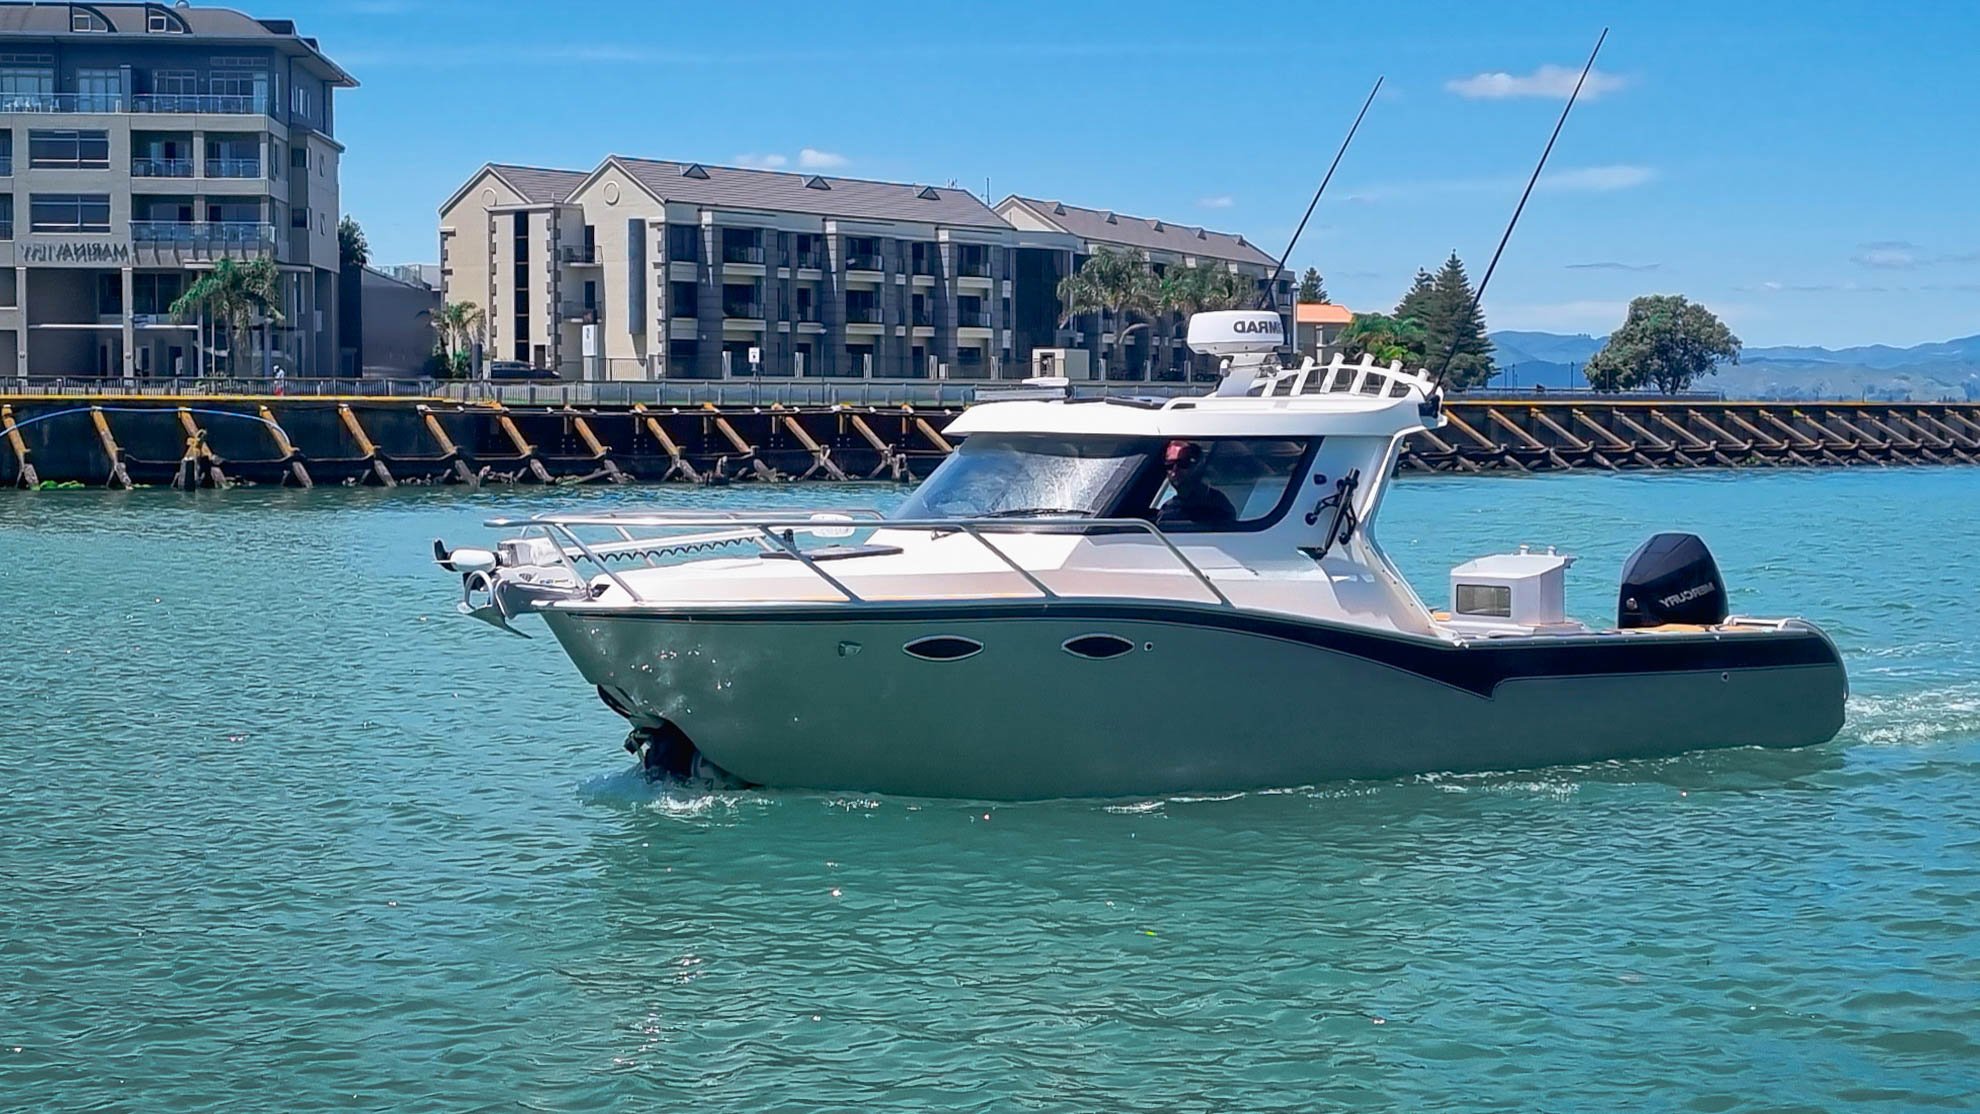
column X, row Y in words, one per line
column 823, row 195
column 1323, row 313
column 539, row 185
column 1103, row 226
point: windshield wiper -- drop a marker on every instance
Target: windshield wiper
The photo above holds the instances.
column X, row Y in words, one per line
column 1040, row 512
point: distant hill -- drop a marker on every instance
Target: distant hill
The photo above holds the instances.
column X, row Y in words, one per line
column 1923, row 372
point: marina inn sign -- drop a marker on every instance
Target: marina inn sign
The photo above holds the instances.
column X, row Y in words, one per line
column 74, row 253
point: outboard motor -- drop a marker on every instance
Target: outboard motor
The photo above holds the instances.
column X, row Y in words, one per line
column 1671, row 579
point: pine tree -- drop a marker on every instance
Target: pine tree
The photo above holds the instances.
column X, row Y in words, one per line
column 1312, row 288
column 1418, row 307
column 1442, row 304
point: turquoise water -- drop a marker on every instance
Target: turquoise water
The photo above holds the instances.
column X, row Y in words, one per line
column 279, row 831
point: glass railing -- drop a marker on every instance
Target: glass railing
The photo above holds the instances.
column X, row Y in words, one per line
column 923, row 318
column 742, row 309
column 863, row 262
column 7, row 229
column 924, row 267
column 976, row 319
column 226, row 104
column 805, row 259
column 973, row 269
column 217, row 103
column 6, row 165
column 864, row 315
column 742, row 253
column 227, row 233
column 579, row 254
column 233, row 168
column 161, row 168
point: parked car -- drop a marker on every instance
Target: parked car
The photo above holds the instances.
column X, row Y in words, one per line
column 516, row 369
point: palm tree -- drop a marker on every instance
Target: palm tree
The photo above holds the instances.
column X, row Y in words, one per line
column 236, row 294
column 459, row 327
column 1114, row 282
column 1387, row 339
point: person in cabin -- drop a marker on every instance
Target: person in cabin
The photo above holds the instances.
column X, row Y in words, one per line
column 1195, row 502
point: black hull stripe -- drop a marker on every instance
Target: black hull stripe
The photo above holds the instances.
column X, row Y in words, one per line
column 1478, row 667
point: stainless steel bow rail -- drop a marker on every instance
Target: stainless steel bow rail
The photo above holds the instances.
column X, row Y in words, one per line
column 778, row 532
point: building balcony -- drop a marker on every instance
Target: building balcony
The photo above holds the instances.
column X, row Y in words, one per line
column 973, row 319
column 864, row 262
column 979, row 268
column 742, row 253
column 924, row 319
column 233, row 168
column 749, row 311
column 161, row 168
column 236, row 235
column 578, row 312
column 863, row 315
column 115, row 103
column 808, row 317
column 809, row 261
column 6, row 228
column 584, row 255
column 6, row 166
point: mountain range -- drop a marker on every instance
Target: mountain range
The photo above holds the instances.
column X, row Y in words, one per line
column 1924, row 372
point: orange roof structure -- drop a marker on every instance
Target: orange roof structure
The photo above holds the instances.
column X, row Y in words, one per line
column 1322, row 313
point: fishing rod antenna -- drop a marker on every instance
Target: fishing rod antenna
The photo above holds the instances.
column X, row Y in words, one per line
column 1271, row 291
column 1478, row 295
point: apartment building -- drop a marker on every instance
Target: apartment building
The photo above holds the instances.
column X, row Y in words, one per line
column 1054, row 239
column 139, row 144
column 643, row 268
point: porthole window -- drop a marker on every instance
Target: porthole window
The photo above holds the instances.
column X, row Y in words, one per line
column 1097, row 647
column 943, row 647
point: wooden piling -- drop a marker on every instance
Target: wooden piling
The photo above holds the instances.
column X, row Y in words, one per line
column 119, row 475
column 286, row 447
column 821, row 457
column 19, row 446
column 199, row 456
column 365, row 446
column 450, row 453
column 677, row 461
column 599, row 452
column 891, row 460
column 763, row 471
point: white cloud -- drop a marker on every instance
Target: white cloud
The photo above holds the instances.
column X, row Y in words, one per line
column 1220, row 201
column 762, row 162
column 1555, row 82
column 1888, row 254
column 811, row 158
column 1598, row 179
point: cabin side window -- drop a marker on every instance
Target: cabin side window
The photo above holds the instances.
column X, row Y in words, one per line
column 1228, row 483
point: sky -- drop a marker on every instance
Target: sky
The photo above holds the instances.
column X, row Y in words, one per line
column 1809, row 171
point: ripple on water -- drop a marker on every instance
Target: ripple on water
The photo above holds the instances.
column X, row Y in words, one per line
column 270, row 839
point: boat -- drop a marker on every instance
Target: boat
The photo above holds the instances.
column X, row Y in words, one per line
column 1121, row 597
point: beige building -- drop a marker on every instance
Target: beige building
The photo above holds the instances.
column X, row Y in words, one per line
column 646, row 269
column 140, row 143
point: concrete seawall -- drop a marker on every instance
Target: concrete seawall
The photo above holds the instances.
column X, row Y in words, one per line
column 222, row 440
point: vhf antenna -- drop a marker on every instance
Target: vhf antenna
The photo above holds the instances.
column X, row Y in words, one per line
column 1478, row 294
column 1271, row 290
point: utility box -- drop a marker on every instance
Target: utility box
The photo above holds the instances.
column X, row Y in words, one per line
column 1524, row 589
column 1061, row 363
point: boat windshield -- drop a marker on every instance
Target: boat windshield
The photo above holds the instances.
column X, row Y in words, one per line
column 1017, row 475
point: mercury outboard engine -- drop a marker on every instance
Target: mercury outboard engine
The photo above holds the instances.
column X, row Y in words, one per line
column 1671, row 579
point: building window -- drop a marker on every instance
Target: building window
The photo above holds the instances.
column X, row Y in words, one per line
column 299, row 218
column 682, row 296
column 99, row 90
column 69, row 150
column 158, row 21
column 683, row 243
column 239, row 90
column 299, row 158
column 110, row 294
column 69, row 212
column 84, row 19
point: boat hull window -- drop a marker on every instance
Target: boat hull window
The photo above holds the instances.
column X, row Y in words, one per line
column 943, row 647
column 1098, row 647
